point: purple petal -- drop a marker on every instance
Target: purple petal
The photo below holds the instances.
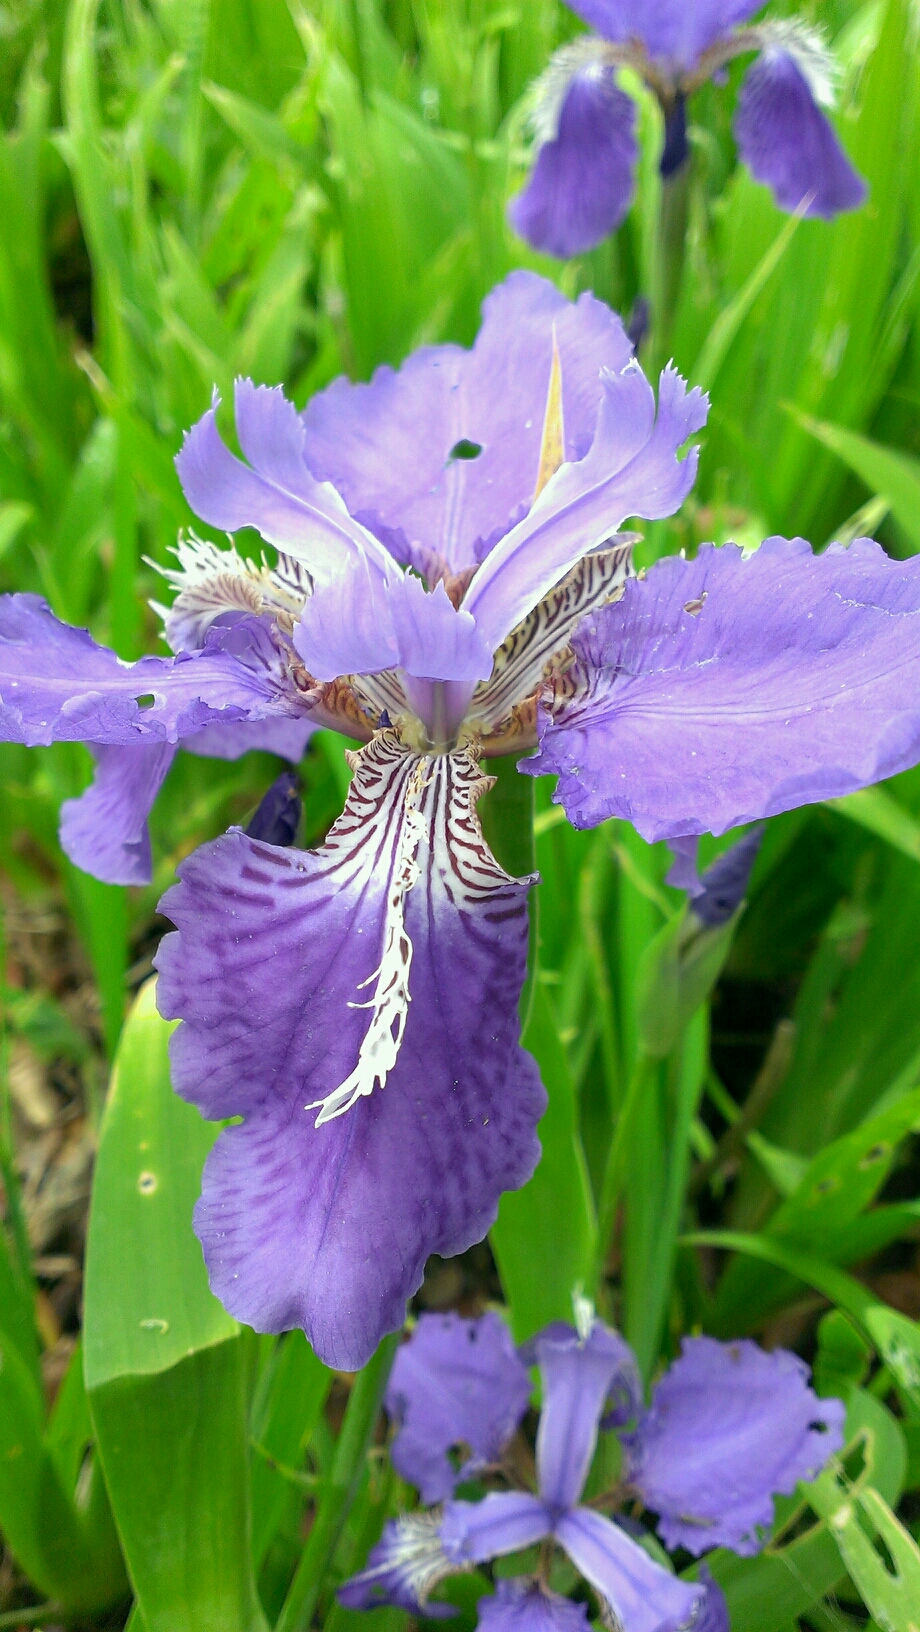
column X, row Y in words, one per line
column 57, row 685
column 631, row 469
column 406, row 1564
column 523, row 1605
column 578, row 1377
column 675, row 31
column 104, row 831
column 503, row 1522
column 387, row 446
column 722, row 690
column 582, row 182
column 287, row 738
column 456, row 1382
column 723, row 885
column 643, row 1596
column 276, row 492
column 276, row 818
column 729, row 1428
column 789, row 144
column 712, row 1616
column 682, row 873
column 361, row 625
column 326, row 1222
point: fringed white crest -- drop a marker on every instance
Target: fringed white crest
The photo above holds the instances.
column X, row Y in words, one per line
column 809, row 51
column 210, row 581
column 414, row 1554
column 390, row 1002
column 587, row 55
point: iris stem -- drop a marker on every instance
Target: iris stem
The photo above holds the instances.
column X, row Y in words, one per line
column 668, row 267
column 339, row 1491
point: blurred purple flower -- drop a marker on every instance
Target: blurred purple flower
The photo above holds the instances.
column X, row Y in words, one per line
column 356, row 1006
column 583, row 176
column 729, row 1426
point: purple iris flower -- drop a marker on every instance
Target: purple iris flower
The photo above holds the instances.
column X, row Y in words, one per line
column 728, row 1428
column 449, row 586
column 583, row 177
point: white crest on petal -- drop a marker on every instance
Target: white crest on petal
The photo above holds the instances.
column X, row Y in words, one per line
column 414, row 1553
column 809, row 51
column 210, row 581
column 588, row 56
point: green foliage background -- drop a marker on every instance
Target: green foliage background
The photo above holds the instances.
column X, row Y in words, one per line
column 193, row 189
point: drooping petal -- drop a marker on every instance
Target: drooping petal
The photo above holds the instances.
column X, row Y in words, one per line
column 643, row 1596
column 641, row 1593
column 57, row 685
column 275, row 492
column 522, row 1604
column 579, row 1375
column 789, row 144
column 582, row 181
column 712, row 1615
column 722, row 690
column 104, row 831
column 287, row 738
column 406, row 1564
column 632, row 469
column 388, row 446
column 455, row 1383
column 729, row 1427
column 677, row 32
column 503, row 1522
column 362, row 626
column 325, row 1220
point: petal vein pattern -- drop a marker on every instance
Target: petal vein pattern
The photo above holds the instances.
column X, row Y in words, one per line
column 328, row 1227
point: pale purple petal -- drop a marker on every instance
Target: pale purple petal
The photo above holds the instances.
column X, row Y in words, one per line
column 579, row 1375
column 523, row 1605
column 276, row 492
column 632, row 469
column 455, row 1383
column 712, row 1615
column 57, row 685
column 104, row 831
column 287, row 738
column 675, row 31
column 582, row 181
column 722, row 690
column 387, row 446
column 406, row 1564
column 643, row 1596
column 361, row 625
column 729, row 1427
column 682, row 873
column 328, row 1226
column 503, row 1522
column 789, row 144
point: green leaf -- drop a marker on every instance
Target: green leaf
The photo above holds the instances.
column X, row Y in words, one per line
column 893, row 476
column 857, row 1520
column 291, row 1395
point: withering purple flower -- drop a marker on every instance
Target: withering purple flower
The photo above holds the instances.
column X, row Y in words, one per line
column 356, row 1006
column 583, row 177
column 729, row 1426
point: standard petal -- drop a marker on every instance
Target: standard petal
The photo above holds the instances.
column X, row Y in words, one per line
column 579, row 1375
column 455, row 1383
column 363, row 626
column 582, row 181
column 729, row 1427
column 326, row 1221
column 722, row 690
column 104, row 831
column 389, row 447
column 57, row 685
column 406, row 1564
column 632, row 469
column 674, row 31
column 521, row 1604
column 503, row 1522
column 276, row 492
column 642, row 1595
column 789, row 144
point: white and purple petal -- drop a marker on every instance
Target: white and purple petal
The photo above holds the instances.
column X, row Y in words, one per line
column 276, row 493
column 631, row 469
column 642, row 1595
column 582, row 181
column 726, row 689
column 503, row 1522
column 789, row 144
column 407, row 1563
column 729, row 1427
column 389, row 447
column 455, row 1383
column 580, row 1374
column 523, row 1604
column 374, row 981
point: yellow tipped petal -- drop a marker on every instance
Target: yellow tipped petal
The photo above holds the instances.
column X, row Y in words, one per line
column 552, row 446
